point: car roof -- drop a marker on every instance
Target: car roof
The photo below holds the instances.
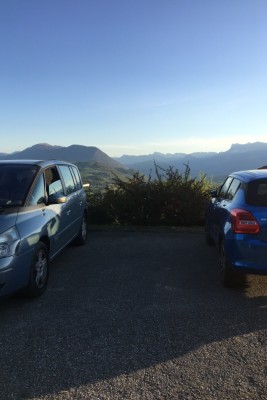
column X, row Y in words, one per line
column 41, row 163
column 250, row 175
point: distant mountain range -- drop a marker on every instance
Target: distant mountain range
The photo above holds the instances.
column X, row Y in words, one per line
column 73, row 153
column 214, row 165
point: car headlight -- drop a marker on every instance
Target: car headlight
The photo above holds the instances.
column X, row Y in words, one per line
column 8, row 242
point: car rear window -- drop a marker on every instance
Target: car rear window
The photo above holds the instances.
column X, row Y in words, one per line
column 257, row 193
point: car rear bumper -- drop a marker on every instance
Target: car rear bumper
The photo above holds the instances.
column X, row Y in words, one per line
column 247, row 253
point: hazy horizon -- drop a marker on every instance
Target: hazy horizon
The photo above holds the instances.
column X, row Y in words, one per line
column 132, row 154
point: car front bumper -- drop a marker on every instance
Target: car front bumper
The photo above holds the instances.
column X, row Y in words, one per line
column 14, row 273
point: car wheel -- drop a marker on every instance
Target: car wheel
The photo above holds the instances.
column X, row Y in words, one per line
column 39, row 272
column 228, row 277
column 82, row 234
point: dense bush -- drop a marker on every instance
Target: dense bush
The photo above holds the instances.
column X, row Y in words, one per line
column 171, row 198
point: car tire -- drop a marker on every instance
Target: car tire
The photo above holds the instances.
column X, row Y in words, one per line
column 39, row 272
column 82, row 234
column 229, row 277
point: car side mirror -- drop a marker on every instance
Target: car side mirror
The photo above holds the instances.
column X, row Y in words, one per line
column 57, row 199
column 214, row 193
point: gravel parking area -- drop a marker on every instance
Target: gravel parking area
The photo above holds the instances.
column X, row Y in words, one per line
column 136, row 315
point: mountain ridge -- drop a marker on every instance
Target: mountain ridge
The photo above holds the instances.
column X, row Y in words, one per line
column 73, row 153
column 213, row 165
column 235, row 147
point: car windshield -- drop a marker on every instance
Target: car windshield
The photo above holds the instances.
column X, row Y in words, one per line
column 15, row 181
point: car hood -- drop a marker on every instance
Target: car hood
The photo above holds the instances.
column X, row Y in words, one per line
column 8, row 217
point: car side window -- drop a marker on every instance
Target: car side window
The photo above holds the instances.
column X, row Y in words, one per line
column 225, row 187
column 257, row 193
column 37, row 195
column 234, row 186
column 77, row 177
column 68, row 179
column 53, row 182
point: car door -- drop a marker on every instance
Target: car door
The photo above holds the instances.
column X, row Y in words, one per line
column 33, row 219
column 218, row 209
column 60, row 212
column 81, row 198
column 41, row 217
column 71, row 192
column 224, row 206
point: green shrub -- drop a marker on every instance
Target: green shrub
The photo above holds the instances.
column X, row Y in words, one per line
column 171, row 198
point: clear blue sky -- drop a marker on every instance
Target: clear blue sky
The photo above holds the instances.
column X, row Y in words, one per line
column 133, row 76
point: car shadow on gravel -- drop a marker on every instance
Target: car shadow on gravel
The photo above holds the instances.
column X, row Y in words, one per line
column 124, row 302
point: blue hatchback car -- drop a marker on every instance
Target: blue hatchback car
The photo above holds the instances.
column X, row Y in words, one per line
column 43, row 207
column 236, row 222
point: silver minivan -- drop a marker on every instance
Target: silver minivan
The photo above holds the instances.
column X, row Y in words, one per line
column 43, row 207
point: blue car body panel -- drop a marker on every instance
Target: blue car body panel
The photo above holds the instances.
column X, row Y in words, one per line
column 246, row 252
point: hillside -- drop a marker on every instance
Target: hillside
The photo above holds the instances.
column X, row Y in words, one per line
column 100, row 176
column 73, row 153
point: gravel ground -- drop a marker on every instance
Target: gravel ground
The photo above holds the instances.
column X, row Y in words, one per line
column 136, row 315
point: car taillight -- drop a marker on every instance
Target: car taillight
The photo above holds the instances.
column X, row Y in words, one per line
column 244, row 222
